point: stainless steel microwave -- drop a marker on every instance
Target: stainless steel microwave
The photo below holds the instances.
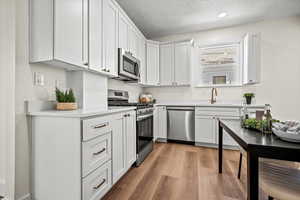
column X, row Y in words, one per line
column 129, row 66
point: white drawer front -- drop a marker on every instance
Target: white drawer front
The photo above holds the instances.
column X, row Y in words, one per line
column 92, row 128
column 212, row 111
column 95, row 152
column 95, row 186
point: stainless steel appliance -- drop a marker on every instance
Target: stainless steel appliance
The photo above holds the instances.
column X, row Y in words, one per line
column 129, row 66
column 181, row 124
column 144, row 122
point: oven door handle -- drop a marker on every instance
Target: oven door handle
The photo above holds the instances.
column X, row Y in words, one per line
column 140, row 118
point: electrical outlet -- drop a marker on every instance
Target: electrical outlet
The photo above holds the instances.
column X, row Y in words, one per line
column 39, row 79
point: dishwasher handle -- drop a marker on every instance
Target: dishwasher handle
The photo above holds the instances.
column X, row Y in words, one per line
column 183, row 108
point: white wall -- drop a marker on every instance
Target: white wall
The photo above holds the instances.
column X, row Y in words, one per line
column 25, row 90
column 280, row 66
column 7, row 91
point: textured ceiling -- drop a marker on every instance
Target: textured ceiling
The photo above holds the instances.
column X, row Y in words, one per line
column 157, row 18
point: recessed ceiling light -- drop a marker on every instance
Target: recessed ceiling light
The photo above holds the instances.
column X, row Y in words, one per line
column 222, row 14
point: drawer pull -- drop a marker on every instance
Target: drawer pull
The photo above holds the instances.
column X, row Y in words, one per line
column 100, row 126
column 98, row 186
column 99, row 152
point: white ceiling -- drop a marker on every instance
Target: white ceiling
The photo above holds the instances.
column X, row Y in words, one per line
column 157, row 18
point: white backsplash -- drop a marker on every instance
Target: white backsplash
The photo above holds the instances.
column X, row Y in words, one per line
column 133, row 89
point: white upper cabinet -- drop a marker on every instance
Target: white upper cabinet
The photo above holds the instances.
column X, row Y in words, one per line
column 182, row 63
column 58, row 33
column 251, row 58
column 166, row 64
column 70, row 43
column 133, row 42
column 95, row 35
column 142, row 57
column 175, row 63
column 123, row 32
column 110, row 37
column 152, row 62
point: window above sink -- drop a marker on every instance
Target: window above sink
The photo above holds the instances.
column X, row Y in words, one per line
column 220, row 65
column 229, row 64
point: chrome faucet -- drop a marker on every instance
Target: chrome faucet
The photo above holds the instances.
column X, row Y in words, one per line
column 214, row 93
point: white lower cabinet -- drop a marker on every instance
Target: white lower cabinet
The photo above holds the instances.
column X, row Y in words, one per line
column 160, row 123
column 95, row 153
column 124, row 143
column 206, row 125
column 81, row 158
column 97, row 183
column 130, row 138
column 227, row 139
column 118, row 147
column 205, row 129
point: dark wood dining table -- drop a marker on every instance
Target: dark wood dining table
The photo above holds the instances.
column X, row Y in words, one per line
column 257, row 145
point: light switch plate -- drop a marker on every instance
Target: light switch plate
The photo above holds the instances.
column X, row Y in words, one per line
column 39, row 79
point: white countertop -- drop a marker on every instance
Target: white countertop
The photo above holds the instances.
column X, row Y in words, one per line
column 82, row 113
column 203, row 103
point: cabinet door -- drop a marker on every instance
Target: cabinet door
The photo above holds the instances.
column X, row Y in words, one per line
column 110, row 37
column 166, row 64
column 227, row 139
column 251, row 59
column 95, row 35
column 70, row 32
column 123, row 32
column 142, row 57
column 152, row 63
column 131, row 138
column 133, row 42
column 182, row 63
column 162, row 122
column 119, row 147
column 205, row 130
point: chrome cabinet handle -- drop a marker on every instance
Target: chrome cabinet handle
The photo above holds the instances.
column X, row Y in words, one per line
column 100, row 184
column 99, row 152
column 100, row 126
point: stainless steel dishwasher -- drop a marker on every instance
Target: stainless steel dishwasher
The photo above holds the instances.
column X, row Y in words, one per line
column 181, row 123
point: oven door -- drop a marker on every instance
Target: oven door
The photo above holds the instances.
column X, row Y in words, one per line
column 144, row 131
column 129, row 66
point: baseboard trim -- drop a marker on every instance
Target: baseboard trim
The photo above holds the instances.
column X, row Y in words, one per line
column 25, row 197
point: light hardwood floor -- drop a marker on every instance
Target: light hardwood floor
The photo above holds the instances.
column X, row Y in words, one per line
column 182, row 172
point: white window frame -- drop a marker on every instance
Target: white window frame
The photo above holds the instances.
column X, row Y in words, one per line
column 241, row 70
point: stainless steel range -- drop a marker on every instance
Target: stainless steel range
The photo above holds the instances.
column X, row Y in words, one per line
column 144, row 126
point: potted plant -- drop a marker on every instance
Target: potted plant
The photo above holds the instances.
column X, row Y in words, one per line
column 249, row 97
column 65, row 100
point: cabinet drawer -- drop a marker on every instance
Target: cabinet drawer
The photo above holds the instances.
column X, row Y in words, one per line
column 95, row 152
column 92, row 128
column 212, row 111
column 95, row 185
